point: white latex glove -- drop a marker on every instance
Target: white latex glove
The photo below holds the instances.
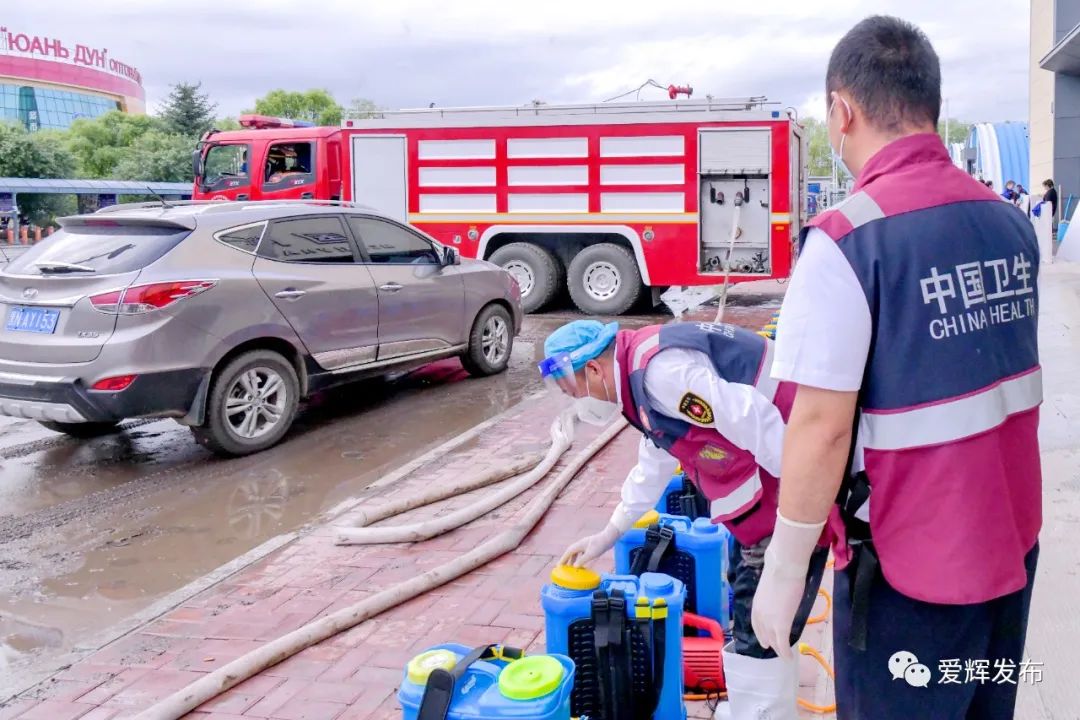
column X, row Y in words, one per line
column 587, row 549
column 783, row 582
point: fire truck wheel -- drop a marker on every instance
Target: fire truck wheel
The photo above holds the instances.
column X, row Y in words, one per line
column 604, row 280
column 537, row 272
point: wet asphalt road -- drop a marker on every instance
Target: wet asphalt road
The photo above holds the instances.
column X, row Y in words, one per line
column 92, row 532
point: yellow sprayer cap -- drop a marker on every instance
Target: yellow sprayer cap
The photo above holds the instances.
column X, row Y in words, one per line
column 421, row 666
column 573, row 578
column 650, row 518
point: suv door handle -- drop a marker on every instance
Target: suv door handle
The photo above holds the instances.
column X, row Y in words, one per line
column 290, row 294
column 391, row 287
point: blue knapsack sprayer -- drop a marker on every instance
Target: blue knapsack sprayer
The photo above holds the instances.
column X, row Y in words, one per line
column 456, row 682
column 695, row 552
column 624, row 634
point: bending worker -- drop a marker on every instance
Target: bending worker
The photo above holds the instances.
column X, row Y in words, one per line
column 910, row 323
column 701, row 395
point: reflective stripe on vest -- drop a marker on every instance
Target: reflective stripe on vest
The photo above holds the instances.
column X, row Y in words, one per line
column 642, row 350
column 738, row 501
column 765, row 384
column 954, row 419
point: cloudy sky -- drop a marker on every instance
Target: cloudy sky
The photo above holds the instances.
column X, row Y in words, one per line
column 408, row 53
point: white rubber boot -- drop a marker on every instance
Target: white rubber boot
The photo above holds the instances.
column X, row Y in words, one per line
column 759, row 689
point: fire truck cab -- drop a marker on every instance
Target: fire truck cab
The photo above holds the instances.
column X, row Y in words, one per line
column 604, row 201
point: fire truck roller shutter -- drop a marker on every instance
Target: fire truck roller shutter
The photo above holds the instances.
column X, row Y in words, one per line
column 539, row 273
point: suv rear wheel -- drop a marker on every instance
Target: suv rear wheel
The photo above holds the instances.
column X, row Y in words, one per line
column 82, row 431
column 490, row 342
column 252, row 404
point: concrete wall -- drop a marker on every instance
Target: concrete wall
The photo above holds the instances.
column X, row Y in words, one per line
column 1041, row 95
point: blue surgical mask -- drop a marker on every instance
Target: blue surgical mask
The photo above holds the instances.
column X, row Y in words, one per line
column 838, row 155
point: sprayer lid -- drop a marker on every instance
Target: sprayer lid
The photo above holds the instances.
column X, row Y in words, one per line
column 531, row 677
column 650, row 518
column 572, row 578
column 420, row 667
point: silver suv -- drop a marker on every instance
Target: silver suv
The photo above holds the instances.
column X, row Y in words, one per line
column 225, row 315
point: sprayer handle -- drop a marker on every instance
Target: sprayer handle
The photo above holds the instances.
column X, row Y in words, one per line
column 703, row 623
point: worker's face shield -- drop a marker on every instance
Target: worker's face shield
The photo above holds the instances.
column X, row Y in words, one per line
column 560, row 380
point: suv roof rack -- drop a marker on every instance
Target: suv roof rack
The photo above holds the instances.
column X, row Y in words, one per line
column 225, row 205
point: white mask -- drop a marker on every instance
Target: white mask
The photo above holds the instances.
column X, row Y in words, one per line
column 838, row 155
column 595, row 411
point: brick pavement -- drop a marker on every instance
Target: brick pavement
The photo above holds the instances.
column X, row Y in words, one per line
column 354, row 675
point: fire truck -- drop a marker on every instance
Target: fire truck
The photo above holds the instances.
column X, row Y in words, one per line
column 610, row 202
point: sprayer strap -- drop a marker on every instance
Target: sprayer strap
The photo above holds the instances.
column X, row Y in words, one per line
column 621, row 657
column 439, row 690
column 866, row 569
column 605, row 682
column 692, row 502
column 643, row 709
column 659, row 646
column 659, row 540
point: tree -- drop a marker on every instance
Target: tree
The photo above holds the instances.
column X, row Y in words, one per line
column 818, row 152
column 187, row 111
column 157, row 157
column 226, row 123
column 316, row 106
column 958, row 131
column 362, row 108
column 35, row 155
column 101, row 143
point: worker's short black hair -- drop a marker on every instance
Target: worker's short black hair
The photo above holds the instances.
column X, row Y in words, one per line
column 891, row 70
column 1048, row 183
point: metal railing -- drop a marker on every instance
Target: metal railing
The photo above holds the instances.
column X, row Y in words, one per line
column 757, row 102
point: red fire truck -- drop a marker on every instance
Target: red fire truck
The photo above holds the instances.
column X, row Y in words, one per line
column 604, row 200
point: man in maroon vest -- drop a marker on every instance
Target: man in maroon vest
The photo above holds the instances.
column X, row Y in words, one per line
column 701, row 395
column 910, row 327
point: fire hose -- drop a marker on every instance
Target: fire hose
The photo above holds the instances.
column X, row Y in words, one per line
column 246, row 666
column 735, row 231
column 561, row 435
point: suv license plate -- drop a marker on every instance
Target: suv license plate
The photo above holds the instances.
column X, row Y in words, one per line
column 32, row 319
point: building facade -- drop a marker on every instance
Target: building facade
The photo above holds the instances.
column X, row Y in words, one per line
column 1054, row 110
column 47, row 84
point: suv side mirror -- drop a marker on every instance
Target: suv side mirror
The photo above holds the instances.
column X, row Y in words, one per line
column 450, row 256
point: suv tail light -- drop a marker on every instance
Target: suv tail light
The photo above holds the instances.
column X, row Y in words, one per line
column 139, row 299
column 114, row 384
